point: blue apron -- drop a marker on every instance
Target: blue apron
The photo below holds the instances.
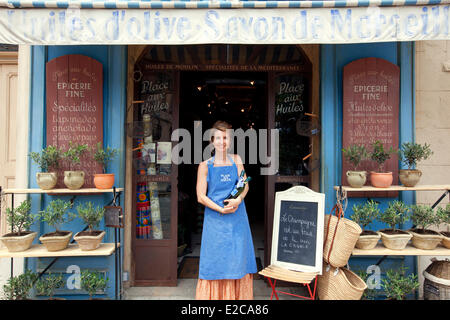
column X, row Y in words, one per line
column 226, row 248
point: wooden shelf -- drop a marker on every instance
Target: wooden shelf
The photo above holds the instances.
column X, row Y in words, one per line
column 381, row 250
column 61, row 191
column 397, row 188
column 73, row 250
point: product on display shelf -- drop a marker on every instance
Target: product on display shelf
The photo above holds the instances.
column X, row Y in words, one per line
column 143, row 212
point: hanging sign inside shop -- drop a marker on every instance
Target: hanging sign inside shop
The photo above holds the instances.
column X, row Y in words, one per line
column 297, row 239
column 74, row 89
column 371, row 88
column 55, row 26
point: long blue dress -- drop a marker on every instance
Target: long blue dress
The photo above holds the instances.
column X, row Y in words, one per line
column 226, row 248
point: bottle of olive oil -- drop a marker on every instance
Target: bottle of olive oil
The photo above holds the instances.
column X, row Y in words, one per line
column 240, row 186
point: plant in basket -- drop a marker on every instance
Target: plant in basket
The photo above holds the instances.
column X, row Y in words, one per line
column 381, row 179
column 444, row 217
column 354, row 154
column 423, row 216
column 20, row 220
column 365, row 215
column 369, row 293
column 19, row 287
column 411, row 153
column 93, row 282
column 56, row 214
column 91, row 239
column 74, row 179
column 46, row 286
column 103, row 157
column 48, row 160
column 397, row 286
column 396, row 213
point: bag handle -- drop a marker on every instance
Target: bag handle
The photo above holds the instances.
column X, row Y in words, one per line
column 337, row 209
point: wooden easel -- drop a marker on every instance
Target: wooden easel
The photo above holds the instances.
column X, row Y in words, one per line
column 278, row 273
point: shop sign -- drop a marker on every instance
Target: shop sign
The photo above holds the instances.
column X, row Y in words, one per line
column 74, row 89
column 47, row 26
column 297, row 238
column 371, row 88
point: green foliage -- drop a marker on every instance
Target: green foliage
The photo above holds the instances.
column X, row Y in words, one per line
column 368, row 294
column 92, row 282
column 365, row 214
column 412, row 153
column 354, row 154
column 443, row 215
column 74, row 153
column 47, row 285
column 19, row 287
column 48, row 159
column 395, row 214
column 90, row 215
column 56, row 213
column 380, row 155
column 19, row 218
column 396, row 285
column 423, row 216
column 103, row 156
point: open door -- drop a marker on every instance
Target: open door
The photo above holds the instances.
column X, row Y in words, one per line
column 154, row 231
column 289, row 111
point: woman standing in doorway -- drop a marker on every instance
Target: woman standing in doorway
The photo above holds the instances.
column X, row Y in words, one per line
column 227, row 257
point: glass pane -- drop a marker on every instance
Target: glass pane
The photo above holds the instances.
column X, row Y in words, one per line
column 291, row 101
column 153, row 210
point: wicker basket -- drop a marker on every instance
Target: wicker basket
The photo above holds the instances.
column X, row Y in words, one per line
column 341, row 235
column 339, row 284
column 436, row 285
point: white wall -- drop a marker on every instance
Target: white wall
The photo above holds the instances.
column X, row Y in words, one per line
column 433, row 124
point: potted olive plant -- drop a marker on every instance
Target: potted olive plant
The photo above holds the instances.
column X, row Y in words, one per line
column 444, row 217
column 90, row 239
column 48, row 161
column 103, row 157
column 423, row 216
column 93, row 282
column 380, row 179
column 365, row 215
column 46, row 286
column 411, row 153
column 395, row 214
column 20, row 220
column 19, row 287
column 354, row 154
column 74, row 179
column 397, row 286
column 55, row 214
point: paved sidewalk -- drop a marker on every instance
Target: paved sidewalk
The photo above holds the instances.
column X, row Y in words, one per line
column 186, row 291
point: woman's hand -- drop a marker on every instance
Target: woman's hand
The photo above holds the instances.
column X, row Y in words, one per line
column 231, row 205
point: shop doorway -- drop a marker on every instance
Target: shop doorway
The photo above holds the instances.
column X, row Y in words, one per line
column 239, row 98
column 170, row 87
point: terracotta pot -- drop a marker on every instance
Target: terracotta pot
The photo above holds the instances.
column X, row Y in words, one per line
column 381, row 179
column 74, row 179
column 395, row 241
column 409, row 177
column 88, row 243
column 446, row 239
column 104, row 180
column 356, row 179
column 18, row 243
column 425, row 241
column 46, row 180
column 368, row 242
column 56, row 243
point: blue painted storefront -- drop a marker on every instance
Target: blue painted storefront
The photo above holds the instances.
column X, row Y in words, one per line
column 113, row 58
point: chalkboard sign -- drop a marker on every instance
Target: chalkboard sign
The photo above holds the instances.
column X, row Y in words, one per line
column 297, row 239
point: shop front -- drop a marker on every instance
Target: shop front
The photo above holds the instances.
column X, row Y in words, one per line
column 170, row 70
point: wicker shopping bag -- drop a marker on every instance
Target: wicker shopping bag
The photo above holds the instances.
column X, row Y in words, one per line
column 340, row 237
column 339, row 284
